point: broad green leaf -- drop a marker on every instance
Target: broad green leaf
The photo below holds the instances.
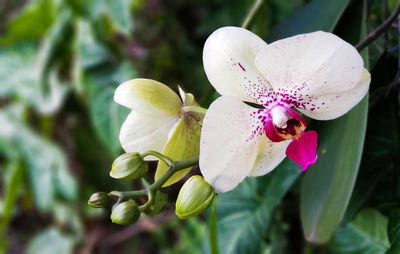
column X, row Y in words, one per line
column 20, row 78
column 244, row 213
column 31, row 24
column 366, row 234
column 47, row 167
column 52, row 46
column 51, row 241
column 328, row 184
column 382, row 143
column 15, row 172
column 316, row 15
column 106, row 115
column 89, row 53
column 118, row 12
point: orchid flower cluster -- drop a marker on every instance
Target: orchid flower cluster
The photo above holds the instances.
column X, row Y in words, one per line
column 250, row 129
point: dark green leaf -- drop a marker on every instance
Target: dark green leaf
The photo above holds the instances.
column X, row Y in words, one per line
column 316, row 15
column 244, row 214
column 328, row 184
column 366, row 234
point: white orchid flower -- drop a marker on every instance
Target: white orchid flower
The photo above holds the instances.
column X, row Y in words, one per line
column 317, row 73
column 159, row 121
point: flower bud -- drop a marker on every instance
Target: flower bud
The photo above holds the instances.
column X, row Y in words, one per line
column 194, row 197
column 129, row 166
column 99, row 200
column 125, row 213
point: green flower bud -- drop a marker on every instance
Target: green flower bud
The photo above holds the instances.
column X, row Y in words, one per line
column 125, row 213
column 129, row 166
column 194, row 197
column 99, row 200
column 160, row 200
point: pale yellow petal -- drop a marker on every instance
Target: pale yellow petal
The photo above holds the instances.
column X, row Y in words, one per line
column 148, row 97
column 183, row 143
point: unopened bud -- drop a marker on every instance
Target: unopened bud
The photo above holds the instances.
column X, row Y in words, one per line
column 129, row 166
column 125, row 213
column 99, row 200
column 194, row 197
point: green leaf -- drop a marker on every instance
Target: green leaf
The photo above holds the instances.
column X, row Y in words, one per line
column 31, row 24
column 53, row 45
column 244, row 214
column 46, row 164
column 328, row 184
column 89, row 53
column 15, row 172
column 382, row 143
column 118, row 12
column 51, row 241
column 106, row 115
column 20, row 77
column 366, row 234
column 325, row 15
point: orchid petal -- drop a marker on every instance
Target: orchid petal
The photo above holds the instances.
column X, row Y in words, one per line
column 148, row 97
column 270, row 154
column 304, row 68
column 183, row 143
column 331, row 106
column 140, row 133
column 303, row 150
column 228, row 57
column 229, row 142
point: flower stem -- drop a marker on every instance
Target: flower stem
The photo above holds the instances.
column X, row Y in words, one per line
column 174, row 166
column 252, row 13
column 213, row 227
column 162, row 157
column 379, row 30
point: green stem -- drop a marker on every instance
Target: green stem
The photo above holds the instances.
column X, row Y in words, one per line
column 174, row 166
column 172, row 169
column 250, row 15
column 162, row 157
column 213, row 228
column 150, row 200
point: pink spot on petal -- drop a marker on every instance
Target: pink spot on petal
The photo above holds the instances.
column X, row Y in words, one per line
column 304, row 150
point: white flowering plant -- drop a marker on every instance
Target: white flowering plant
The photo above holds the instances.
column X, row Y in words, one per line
column 292, row 108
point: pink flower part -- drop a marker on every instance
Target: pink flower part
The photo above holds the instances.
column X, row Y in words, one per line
column 271, row 132
column 283, row 123
column 303, row 150
column 297, row 116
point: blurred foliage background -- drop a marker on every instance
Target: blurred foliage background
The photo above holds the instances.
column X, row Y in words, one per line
column 60, row 62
